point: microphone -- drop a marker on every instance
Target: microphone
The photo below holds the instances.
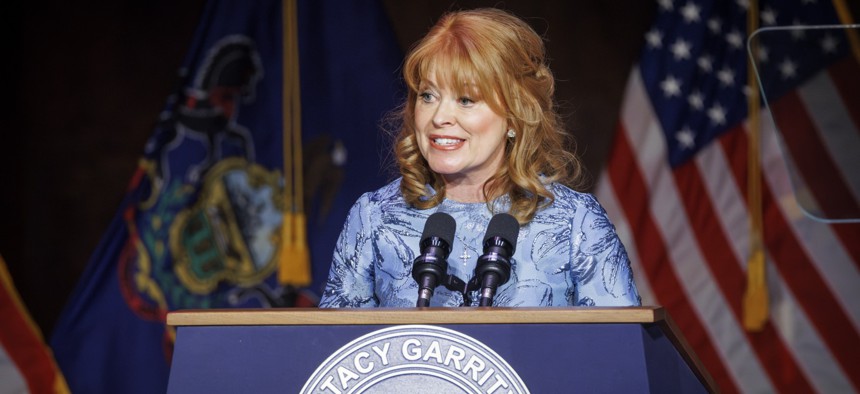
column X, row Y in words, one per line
column 494, row 266
column 431, row 266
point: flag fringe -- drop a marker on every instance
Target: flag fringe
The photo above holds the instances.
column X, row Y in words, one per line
column 755, row 301
column 294, row 258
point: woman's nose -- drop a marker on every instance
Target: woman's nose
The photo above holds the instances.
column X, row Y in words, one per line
column 444, row 115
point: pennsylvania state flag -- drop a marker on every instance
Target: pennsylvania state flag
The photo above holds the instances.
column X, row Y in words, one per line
column 200, row 226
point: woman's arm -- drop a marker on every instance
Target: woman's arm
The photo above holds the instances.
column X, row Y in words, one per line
column 351, row 277
column 601, row 269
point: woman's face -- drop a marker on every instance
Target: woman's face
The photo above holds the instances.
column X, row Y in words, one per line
column 458, row 134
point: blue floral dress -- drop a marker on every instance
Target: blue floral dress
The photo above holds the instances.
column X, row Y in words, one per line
column 568, row 255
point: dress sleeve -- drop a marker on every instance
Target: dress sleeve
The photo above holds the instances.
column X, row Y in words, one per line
column 602, row 272
column 351, row 277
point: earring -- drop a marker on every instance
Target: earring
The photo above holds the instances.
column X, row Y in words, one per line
column 511, row 133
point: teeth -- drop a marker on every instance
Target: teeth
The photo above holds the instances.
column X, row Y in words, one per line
column 446, row 141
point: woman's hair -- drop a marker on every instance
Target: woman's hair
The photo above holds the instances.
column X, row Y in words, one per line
column 504, row 59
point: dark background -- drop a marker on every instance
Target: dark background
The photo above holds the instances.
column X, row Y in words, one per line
column 88, row 81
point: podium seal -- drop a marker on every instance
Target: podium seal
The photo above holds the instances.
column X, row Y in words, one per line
column 416, row 359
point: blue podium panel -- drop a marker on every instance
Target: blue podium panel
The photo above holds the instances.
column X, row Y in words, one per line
column 430, row 358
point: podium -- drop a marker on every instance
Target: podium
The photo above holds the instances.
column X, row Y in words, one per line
column 433, row 350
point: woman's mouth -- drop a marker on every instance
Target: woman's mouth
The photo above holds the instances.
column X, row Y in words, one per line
column 446, row 141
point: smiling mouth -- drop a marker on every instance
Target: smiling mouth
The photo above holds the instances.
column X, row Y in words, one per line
column 446, row 141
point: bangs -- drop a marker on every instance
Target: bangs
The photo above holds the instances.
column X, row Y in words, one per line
column 454, row 64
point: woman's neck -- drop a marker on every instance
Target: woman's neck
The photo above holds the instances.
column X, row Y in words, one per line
column 465, row 190
column 466, row 195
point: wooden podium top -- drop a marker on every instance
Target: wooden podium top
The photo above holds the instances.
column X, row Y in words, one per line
column 468, row 315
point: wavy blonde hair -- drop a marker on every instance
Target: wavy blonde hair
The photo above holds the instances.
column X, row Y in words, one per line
column 504, row 59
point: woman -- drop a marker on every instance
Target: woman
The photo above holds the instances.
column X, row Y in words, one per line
column 480, row 136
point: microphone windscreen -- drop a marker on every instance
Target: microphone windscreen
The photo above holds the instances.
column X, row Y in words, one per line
column 505, row 226
column 442, row 225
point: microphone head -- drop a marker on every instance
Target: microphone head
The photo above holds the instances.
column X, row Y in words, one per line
column 442, row 225
column 504, row 226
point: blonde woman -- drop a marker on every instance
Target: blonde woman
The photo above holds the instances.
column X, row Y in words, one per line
column 480, row 136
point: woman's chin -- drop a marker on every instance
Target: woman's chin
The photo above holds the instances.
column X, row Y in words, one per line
column 445, row 169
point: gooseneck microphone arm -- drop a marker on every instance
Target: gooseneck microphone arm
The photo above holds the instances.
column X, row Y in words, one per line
column 431, row 267
column 494, row 265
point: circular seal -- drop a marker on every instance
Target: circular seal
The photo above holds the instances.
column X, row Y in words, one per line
column 414, row 358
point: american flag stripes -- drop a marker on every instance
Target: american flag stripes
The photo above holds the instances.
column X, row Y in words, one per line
column 675, row 186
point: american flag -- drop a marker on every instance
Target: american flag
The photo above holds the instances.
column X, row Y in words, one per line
column 675, row 186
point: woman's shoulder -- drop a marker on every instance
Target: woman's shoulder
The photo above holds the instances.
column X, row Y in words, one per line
column 580, row 208
column 570, row 200
column 387, row 192
column 385, row 195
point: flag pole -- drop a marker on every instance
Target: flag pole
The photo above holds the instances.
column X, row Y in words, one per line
column 755, row 300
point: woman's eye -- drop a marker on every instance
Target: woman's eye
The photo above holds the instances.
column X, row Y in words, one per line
column 465, row 101
column 425, row 97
